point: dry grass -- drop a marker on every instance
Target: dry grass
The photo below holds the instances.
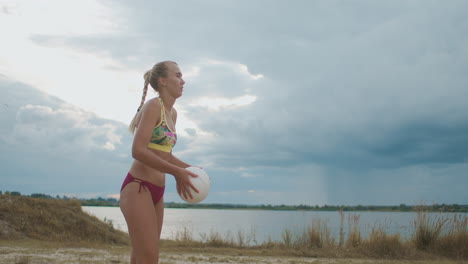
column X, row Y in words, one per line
column 215, row 239
column 341, row 234
column 435, row 237
column 63, row 222
column 354, row 234
column 53, row 220
column 428, row 230
column 454, row 242
column 316, row 235
column 380, row 244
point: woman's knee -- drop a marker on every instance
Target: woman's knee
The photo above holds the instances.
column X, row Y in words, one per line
column 148, row 256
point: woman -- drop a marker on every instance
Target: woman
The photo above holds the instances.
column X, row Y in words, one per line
column 141, row 196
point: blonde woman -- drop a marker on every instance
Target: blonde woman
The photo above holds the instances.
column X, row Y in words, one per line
column 141, row 196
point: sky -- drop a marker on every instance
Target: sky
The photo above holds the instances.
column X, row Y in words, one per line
column 285, row 102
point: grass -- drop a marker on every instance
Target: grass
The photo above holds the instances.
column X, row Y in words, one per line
column 316, row 235
column 58, row 224
column 354, row 234
column 53, row 220
column 435, row 237
column 428, row 230
column 380, row 244
column 454, row 243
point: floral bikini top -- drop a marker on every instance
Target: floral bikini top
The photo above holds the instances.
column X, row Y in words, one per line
column 162, row 138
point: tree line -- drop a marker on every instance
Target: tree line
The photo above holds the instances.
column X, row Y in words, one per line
column 302, row 207
column 395, row 208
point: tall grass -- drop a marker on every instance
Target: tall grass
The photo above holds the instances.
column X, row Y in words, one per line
column 454, row 241
column 216, row 239
column 342, row 216
column 241, row 239
column 354, row 234
column 287, row 237
column 428, row 230
column 433, row 235
column 184, row 235
column 381, row 244
column 316, row 235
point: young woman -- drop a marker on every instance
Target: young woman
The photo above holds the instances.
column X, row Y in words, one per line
column 141, row 196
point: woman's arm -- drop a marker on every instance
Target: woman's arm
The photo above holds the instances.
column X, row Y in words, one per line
column 177, row 162
column 150, row 115
column 174, row 160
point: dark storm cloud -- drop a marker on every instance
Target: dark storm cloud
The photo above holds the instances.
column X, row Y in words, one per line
column 371, row 93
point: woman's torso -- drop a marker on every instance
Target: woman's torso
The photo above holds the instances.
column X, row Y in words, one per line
column 145, row 172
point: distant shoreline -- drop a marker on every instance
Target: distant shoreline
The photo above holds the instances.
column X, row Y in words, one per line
column 110, row 202
column 345, row 209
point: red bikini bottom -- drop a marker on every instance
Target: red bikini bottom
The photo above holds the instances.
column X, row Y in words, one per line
column 157, row 192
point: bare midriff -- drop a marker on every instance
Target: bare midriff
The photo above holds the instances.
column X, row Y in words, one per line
column 149, row 174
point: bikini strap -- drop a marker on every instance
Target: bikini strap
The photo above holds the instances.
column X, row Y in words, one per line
column 141, row 182
column 163, row 110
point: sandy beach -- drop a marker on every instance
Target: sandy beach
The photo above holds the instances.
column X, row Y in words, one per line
column 37, row 253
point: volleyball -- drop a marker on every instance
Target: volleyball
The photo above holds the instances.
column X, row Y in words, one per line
column 202, row 183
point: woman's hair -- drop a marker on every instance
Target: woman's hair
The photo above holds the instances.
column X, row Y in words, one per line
column 152, row 78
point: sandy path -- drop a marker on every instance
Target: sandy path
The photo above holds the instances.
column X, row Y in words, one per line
column 27, row 255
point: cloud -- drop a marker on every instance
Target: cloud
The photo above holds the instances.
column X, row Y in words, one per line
column 335, row 100
column 37, row 119
column 53, row 147
column 368, row 96
column 361, row 95
column 218, row 103
column 68, row 125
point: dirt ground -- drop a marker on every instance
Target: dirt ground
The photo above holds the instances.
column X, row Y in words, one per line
column 56, row 254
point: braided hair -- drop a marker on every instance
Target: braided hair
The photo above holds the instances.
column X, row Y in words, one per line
column 151, row 78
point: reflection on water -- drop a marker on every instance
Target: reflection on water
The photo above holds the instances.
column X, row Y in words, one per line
column 264, row 225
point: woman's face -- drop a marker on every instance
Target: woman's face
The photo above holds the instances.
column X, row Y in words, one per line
column 174, row 83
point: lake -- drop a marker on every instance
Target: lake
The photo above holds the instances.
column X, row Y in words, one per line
column 263, row 225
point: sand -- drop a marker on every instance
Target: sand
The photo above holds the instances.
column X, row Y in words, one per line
column 55, row 255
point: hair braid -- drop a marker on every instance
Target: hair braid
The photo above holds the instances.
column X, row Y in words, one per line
column 151, row 78
column 147, row 77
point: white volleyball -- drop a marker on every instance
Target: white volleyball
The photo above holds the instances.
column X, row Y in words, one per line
column 202, row 183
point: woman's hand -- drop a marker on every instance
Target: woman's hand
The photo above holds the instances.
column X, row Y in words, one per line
column 184, row 184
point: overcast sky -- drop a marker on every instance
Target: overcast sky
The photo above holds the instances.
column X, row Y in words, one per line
column 285, row 102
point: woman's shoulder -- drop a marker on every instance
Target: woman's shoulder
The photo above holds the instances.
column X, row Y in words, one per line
column 152, row 105
column 150, row 113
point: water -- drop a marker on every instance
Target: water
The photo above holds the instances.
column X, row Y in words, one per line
column 260, row 226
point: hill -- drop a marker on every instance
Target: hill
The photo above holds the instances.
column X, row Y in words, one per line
column 53, row 220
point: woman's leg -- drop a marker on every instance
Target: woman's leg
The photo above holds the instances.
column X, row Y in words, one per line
column 159, row 210
column 143, row 224
column 133, row 258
